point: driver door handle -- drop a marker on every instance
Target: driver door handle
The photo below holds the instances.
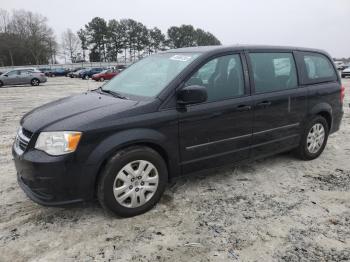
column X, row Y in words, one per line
column 243, row 108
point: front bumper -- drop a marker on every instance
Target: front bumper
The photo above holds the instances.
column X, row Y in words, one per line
column 53, row 180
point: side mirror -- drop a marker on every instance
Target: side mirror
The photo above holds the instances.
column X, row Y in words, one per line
column 192, row 95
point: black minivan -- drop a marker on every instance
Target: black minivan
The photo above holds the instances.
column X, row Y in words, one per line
column 174, row 113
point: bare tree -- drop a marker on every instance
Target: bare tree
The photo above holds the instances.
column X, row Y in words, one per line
column 4, row 21
column 70, row 44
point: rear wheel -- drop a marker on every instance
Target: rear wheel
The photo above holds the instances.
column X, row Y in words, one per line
column 35, row 82
column 132, row 181
column 1, row 84
column 314, row 139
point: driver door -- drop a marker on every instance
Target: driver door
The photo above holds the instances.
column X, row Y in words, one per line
column 218, row 131
column 12, row 78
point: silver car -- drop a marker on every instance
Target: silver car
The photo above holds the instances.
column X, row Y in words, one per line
column 22, row 76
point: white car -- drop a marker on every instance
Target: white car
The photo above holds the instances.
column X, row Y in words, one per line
column 345, row 72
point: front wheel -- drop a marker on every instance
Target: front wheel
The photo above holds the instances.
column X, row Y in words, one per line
column 86, row 77
column 314, row 139
column 102, row 79
column 1, row 84
column 132, row 181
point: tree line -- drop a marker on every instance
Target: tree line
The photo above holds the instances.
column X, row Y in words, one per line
column 26, row 38
column 107, row 40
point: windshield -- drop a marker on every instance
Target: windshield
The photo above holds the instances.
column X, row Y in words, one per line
column 151, row 75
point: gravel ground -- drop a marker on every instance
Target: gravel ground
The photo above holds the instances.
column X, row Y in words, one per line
column 276, row 209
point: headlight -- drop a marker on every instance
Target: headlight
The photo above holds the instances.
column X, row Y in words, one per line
column 58, row 143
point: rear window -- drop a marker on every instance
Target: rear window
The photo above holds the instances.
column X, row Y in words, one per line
column 318, row 68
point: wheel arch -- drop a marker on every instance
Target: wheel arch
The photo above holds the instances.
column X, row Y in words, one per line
column 324, row 110
column 35, row 78
column 136, row 137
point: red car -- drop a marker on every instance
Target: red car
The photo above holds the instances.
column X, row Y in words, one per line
column 105, row 75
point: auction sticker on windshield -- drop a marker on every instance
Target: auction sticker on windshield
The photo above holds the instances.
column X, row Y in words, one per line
column 182, row 58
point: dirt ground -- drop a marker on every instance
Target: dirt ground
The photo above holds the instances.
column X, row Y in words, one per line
column 276, row 209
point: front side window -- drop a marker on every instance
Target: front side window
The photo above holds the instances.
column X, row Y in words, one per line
column 13, row 73
column 222, row 76
column 318, row 67
column 151, row 75
column 273, row 71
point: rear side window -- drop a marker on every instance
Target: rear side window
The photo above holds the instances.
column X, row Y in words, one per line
column 318, row 68
column 273, row 71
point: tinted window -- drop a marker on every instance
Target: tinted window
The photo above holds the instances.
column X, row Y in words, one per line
column 222, row 76
column 273, row 71
column 13, row 73
column 318, row 67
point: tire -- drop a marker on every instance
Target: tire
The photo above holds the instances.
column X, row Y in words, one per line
column 1, row 84
column 35, row 82
column 303, row 151
column 53, row 75
column 86, row 77
column 109, row 180
column 102, row 79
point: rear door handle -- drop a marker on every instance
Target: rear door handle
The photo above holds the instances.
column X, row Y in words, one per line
column 243, row 108
column 264, row 104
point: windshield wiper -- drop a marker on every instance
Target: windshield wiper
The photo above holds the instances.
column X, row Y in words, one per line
column 113, row 93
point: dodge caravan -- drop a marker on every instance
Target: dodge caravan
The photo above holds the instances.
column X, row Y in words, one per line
column 174, row 113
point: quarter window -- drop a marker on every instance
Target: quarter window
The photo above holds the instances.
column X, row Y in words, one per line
column 273, row 71
column 318, row 67
column 222, row 76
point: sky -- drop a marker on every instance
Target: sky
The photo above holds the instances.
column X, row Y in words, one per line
column 323, row 24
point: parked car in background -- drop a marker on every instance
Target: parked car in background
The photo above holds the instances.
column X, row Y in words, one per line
column 44, row 69
column 90, row 72
column 339, row 65
column 57, row 72
column 345, row 66
column 345, row 73
column 71, row 73
column 22, row 76
column 77, row 74
column 175, row 113
column 105, row 75
column 121, row 67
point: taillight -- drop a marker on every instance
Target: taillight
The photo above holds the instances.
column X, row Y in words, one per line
column 342, row 93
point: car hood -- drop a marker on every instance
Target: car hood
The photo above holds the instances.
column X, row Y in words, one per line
column 77, row 112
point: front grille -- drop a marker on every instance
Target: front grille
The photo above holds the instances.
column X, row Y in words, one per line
column 22, row 140
column 27, row 133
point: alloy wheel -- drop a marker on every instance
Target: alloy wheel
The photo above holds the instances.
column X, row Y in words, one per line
column 35, row 82
column 315, row 138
